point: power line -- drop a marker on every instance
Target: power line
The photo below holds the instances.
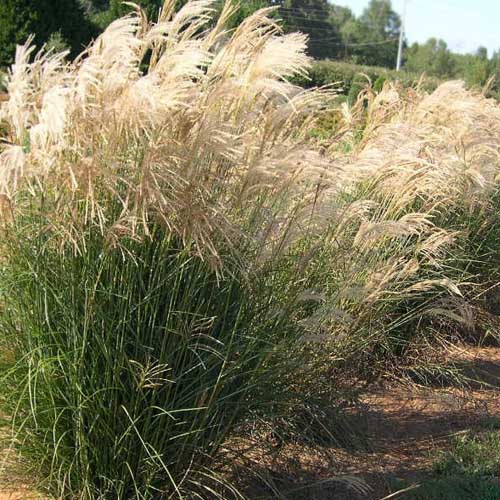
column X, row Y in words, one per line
column 333, row 38
column 291, row 13
column 363, row 44
column 299, row 27
column 304, row 8
column 293, row 16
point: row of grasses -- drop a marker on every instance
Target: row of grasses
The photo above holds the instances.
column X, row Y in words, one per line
column 185, row 262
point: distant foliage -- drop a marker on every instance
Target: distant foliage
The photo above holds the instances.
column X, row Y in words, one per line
column 312, row 17
column 432, row 57
column 348, row 75
column 42, row 18
column 374, row 36
column 57, row 43
column 334, row 31
column 435, row 59
column 118, row 8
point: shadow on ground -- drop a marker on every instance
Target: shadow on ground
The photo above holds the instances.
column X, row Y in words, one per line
column 404, row 428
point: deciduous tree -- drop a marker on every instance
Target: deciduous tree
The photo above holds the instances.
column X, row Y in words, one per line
column 312, row 17
column 375, row 35
column 433, row 57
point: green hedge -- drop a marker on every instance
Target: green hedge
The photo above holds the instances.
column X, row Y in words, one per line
column 351, row 76
column 2, row 80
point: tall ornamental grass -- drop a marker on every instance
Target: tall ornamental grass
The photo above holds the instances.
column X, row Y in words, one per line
column 180, row 258
column 147, row 189
column 132, row 369
column 411, row 245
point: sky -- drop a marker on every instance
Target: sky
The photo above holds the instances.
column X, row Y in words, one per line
column 463, row 24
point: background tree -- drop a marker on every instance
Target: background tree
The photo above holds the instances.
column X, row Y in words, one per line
column 246, row 9
column 474, row 68
column 377, row 32
column 494, row 70
column 117, row 8
column 345, row 22
column 105, row 11
column 312, row 17
column 91, row 6
column 16, row 20
column 20, row 18
column 340, row 15
column 433, row 57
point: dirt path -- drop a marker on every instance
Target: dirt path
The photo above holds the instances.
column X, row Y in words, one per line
column 408, row 426
column 12, row 485
column 405, row 427
column 18, row 495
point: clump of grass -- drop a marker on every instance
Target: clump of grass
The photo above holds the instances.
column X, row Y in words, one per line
column 472, row 455
column 468, row 470
column 148, row 192
column 131, row 370
column 414, row 224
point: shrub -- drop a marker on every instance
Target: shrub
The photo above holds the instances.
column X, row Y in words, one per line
column 326, row 72
column 379, row 83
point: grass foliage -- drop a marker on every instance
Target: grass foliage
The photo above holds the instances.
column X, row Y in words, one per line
column 472, row 456
column 194, row 246
column 469, row 470
column 455, row 488
column 132, row 369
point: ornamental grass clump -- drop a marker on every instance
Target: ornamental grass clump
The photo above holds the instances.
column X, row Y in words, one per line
column 180, row 258
column 146, row 188
column 411, row 249
column 176, row 123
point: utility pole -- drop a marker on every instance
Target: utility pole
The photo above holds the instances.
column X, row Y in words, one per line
column 402, row 37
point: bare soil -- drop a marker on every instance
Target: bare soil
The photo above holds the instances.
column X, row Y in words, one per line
column 406, row 426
